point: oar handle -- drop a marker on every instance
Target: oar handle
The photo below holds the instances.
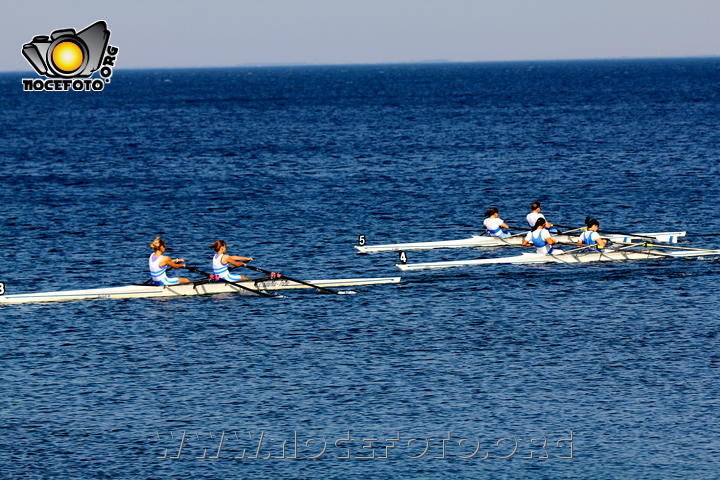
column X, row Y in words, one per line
column 302, row 282
column 513, row 227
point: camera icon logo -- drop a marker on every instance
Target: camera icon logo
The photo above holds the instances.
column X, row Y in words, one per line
column 68, row 54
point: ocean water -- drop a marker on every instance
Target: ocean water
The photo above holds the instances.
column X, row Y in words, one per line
column 614, row 365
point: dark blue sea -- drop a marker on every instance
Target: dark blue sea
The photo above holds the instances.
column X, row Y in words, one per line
column 593, row 371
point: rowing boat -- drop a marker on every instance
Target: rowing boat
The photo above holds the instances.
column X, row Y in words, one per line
column 515, row 240
column 568, row 257
column 189, row 289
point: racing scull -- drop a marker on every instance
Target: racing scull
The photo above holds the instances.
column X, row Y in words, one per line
column 189, row 289
column 608, row 255
column 515, row 240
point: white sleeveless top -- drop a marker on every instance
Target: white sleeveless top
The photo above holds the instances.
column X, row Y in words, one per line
column 538, row 239
column 158, row 273
column 493, row 226
column 532, row 218
column 220, row 268
column 589, row 237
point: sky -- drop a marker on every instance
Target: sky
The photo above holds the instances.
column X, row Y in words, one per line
column 227, row 33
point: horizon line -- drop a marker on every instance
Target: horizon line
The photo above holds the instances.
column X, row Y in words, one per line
column 417, row 62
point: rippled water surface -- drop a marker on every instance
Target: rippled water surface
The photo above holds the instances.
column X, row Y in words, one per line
column 503, row 364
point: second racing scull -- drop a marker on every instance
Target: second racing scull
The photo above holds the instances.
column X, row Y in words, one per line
column 515, row 240
column 634, row 252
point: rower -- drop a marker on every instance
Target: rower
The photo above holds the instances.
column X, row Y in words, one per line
column 222, row 259
column 533, row 216
column 591, row 237
column 159, row 263
column 541, row 239
column 494, row 224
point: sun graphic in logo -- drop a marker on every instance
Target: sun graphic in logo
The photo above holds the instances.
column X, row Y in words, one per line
column 67, row 56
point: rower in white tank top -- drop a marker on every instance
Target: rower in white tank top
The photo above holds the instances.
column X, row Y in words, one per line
column 159, row 264
column 158, row 273
column 541, row 239
column 494, row 224
column 591, row 237
column 535, row 214
column 221, row 260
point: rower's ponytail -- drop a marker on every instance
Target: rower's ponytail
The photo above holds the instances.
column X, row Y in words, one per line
column 591, row 221
column 492, row 211
column 218, row 245
column 539, row 223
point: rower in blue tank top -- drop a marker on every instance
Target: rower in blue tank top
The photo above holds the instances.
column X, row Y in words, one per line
column 159, row 264
column 541, row 239
column 494, row 224
column 591, row 237
column 221, row 260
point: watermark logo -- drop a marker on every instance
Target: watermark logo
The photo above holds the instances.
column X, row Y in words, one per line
column 68, row 59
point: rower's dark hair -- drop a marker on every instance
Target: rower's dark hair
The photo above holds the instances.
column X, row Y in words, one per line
column 157, row 243
column 591, row 221
column 535, row 206
column 491, row 211
column 218, row 245
column 538, row 223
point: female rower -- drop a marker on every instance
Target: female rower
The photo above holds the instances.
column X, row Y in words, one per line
column 159, row 263
column 222, row 259
column 494, row 224
column 591, row 236
column 535, row 214
column 541, row 239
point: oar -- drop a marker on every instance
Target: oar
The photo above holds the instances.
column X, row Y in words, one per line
column 513, row 227
column 649, row 252
column 601, row 231
column 502, row 239
column 655, row 253
column 302, row 282
column 515, row 234
column 621, row 249
column 627, row 245
column 572, row 229
column 574, row 245
column 669, row 246
column 568, row 231
column 237, row 284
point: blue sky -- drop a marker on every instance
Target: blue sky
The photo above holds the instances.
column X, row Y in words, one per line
column 185, row 33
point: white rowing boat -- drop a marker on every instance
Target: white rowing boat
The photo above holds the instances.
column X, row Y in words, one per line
column 613, row 255
column 189, row 289
column 515, row 240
